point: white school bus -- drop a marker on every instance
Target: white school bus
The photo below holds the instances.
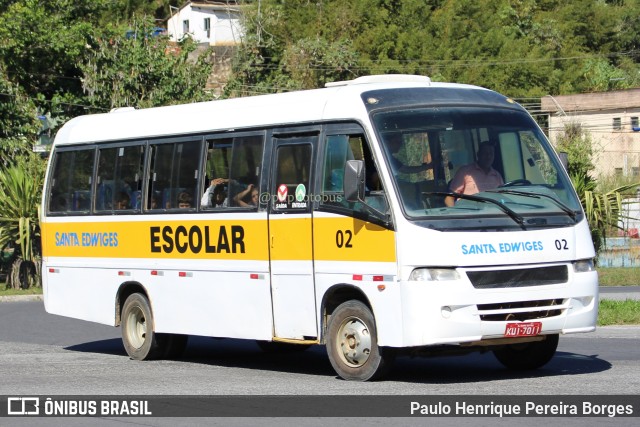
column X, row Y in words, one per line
column 361, row 216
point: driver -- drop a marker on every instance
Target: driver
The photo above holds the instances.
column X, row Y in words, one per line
column 478, row 176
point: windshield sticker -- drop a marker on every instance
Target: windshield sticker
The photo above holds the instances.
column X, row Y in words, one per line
column 301, row 193
column 282, row 193
column 288, row 198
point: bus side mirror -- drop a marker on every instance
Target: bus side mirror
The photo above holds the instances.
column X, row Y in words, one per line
column 564, row 159
column 354, row 174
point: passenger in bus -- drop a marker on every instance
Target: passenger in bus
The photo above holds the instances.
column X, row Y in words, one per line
column 184, row 200
column 215, row 195
column 123, row 200
column 154, row 201
column 220, row 197
column 478, row 176
column 248, row 197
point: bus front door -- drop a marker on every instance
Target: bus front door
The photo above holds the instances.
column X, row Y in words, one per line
column 291, row 240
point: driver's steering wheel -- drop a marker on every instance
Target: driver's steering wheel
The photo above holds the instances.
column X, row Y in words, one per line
column 516, row 182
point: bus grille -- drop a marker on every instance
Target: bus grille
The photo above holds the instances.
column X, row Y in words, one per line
column 517, row 278
column 521, row 310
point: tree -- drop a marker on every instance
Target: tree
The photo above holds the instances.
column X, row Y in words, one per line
column 18, row 122
column 524, row 48
column 141, row 70
column 125, row 10
column 20, row 193
column 577, row 143
column 288, row 47
column 43, row 42
column 603, row 210
column 41, row 45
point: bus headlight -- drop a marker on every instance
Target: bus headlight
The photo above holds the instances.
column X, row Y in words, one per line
column 433, row 274
column 583, row 266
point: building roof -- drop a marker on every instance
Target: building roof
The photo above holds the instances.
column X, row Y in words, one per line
column 590, row 102
column 231, row 5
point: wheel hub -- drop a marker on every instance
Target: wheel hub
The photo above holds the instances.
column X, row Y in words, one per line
column 137, row 327
column 355, row 342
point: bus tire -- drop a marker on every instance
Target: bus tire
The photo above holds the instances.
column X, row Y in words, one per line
column 139, row 340
column 528, row 356
column 352, row 344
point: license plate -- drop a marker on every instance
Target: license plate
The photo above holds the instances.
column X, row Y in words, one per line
column 524, row 329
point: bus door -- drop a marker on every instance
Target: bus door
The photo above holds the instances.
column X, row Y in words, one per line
column 291, row 239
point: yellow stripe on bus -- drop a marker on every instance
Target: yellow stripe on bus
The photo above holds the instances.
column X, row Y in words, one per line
column 290, row 238
column 226, row 239
column 350, row 239
column 336, row 239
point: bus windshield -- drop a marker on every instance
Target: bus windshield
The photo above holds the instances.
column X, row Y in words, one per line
column 489, row 166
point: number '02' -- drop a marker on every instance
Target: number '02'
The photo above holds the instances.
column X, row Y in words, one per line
column 562, row 245
column 343, row 238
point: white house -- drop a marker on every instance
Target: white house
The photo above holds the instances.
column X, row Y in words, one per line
column 612, row 120
column 216, row 23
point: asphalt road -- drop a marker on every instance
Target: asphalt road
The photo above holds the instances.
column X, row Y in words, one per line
column 620, row 292
column 42, row 354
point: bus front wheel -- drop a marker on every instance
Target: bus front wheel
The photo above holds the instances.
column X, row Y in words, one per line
column 528, row 356
column 352, row 343
column 139, row 340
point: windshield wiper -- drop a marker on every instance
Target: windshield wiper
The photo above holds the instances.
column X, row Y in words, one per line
column 512, row 214
column 557, row 202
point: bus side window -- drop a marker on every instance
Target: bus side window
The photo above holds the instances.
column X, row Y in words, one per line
column 339, row 149
column 185, row 173
column 174, row 175
column 245, row 171
column 232, row 172
column 216, row 182
column 337, row 153
column 119, row 178
column 159, row 172
column 70, row 185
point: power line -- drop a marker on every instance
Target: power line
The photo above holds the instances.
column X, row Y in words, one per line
column 37, row 100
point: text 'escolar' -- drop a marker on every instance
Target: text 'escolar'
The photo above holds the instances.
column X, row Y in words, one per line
column 197, row 239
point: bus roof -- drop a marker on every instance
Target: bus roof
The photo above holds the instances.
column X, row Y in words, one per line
column 339, row 101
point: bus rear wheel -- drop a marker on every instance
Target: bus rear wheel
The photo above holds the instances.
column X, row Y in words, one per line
column 352, row 344
column 528, row 356
column 139, row 340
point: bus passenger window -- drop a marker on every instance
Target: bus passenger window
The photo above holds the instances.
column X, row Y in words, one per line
column 244, row 175
column 70, row 188
column 217, row 166
column 119, row 178
column 233, row 170
column 174, row 170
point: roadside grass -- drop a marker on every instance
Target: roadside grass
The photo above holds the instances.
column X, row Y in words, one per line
column 625, row 312
column 7, row 292
column 619, row 276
